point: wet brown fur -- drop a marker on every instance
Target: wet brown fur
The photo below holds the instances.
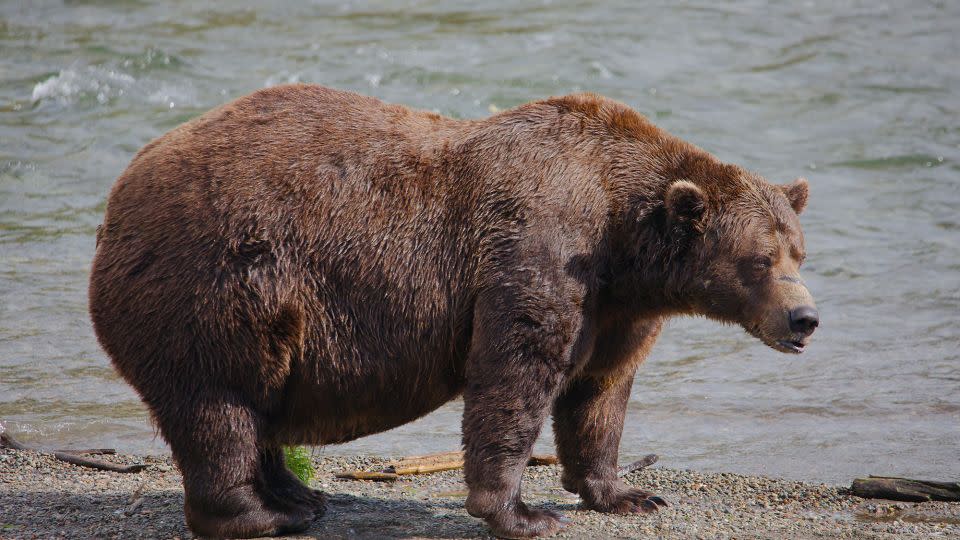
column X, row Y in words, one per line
column 308, row 266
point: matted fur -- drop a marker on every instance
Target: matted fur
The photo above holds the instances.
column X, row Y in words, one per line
column 308, row 266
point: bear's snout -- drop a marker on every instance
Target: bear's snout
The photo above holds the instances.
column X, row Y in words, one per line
column 804, row 320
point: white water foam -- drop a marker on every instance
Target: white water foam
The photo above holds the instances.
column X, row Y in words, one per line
column 106, row 84
column 75, row 82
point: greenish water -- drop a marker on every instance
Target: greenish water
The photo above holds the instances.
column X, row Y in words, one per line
column 861, row 98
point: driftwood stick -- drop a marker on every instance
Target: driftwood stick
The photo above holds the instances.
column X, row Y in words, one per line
column 425, row 468
column 905, row 489
column 136, row 501
column 426, row 464
column 88, row 451
column 7, row 441
column 446, row 461
column 429, row 463
column 427, row 458
column 97, row 464
column 439, row 466
column 639, row 464
column 134, row 507
column 75, row 456
column 368, row 475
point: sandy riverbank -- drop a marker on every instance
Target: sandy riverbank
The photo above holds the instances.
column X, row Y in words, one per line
column 44, row 498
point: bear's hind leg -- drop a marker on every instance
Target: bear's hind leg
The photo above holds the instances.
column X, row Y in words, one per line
column 216, row 445
column 284, row 488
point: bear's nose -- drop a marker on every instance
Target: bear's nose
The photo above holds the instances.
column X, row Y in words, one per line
column 804, row 320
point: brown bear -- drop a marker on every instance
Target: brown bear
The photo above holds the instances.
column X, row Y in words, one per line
column 309, row 266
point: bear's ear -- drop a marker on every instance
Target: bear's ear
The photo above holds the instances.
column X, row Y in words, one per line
column 686, row 204
column 797, row 193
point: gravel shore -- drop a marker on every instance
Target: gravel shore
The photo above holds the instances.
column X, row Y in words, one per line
column 41, row 497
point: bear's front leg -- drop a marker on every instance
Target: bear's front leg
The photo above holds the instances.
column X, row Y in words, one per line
column 588, row 422
column 519, row 356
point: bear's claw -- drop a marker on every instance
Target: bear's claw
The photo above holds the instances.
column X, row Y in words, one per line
column 626, row 500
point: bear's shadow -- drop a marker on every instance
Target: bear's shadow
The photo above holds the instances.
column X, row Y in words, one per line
column 46, row 514
column 375, row 517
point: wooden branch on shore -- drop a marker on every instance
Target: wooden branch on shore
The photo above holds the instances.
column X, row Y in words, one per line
column 638, row 465
column 905, row 489
column 424, row 468
column 430, row 463
column 7, row 441
column 84, row 461
column 446, row 461
column 76, row 457
column 429, row 458
column 89, row 451
column 368, row 475
column 427, row 464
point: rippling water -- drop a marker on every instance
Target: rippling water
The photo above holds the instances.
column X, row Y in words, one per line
column 861, row 98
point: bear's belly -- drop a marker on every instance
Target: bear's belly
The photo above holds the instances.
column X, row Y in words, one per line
column 369, row 399
column 359, row 424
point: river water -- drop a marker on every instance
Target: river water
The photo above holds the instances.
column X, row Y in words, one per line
column 862, row 98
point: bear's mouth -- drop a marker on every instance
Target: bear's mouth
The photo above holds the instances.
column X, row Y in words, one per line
column 795, row 346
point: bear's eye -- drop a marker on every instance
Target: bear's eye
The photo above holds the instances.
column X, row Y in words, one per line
column 755, row 269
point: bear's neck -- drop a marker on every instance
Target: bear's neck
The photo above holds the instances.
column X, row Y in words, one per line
column 650, row 272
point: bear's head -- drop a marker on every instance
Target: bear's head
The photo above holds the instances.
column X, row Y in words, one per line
column 744, row 248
